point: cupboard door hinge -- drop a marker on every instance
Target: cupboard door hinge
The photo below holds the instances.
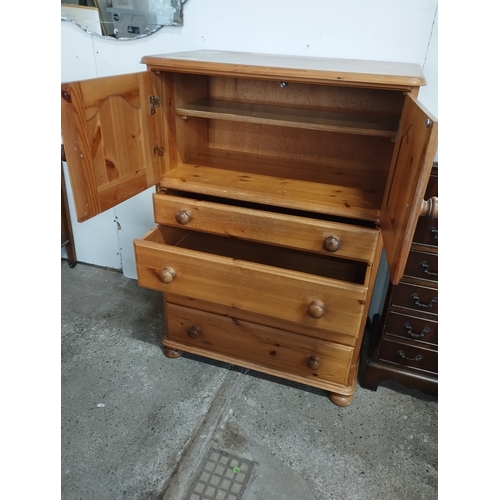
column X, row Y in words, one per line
column 157, row 151
column 154, row 102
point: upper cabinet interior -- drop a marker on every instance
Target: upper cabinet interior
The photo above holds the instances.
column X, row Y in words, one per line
column 311, row 134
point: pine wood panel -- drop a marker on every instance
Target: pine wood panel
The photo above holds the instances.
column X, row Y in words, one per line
column 411, row 166
column 357, row 243
column 291, row 117
column 260, row 319
column 191, row 135
column 361, row 201
column 291, row 68
column 357, row 173
column 315, row 97
column 269, row 350
column 247, row 285
column 300, row 144
column 109, row 136
column 322, row 266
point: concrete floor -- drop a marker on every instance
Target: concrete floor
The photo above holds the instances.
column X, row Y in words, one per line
column 137, row 425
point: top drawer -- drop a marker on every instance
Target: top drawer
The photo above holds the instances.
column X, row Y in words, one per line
column 325, row 237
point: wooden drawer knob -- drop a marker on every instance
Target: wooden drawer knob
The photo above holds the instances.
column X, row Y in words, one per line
column 182, row 217
column 313, row 363
column 194, row 332
column 331, row 244
column 316, row 309
column 166, row 275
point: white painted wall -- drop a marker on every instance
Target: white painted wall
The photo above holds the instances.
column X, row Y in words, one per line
column 388, row 30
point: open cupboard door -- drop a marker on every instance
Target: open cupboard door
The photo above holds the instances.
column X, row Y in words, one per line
column 110, row 129
column 408, row 176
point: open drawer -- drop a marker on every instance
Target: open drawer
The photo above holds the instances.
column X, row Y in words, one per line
column 310, row 289
column 257, row 224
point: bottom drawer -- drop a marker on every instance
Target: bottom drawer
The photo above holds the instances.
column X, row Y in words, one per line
column 410, row 356
column 295, row 357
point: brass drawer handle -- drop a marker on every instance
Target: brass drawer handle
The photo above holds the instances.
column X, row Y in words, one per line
column 194, row 332
column 418, row 357
column 313, row 362
column 433, row 230
column 166, row 275
column 316, row 309
column 182, row 217
column 416, row 298
column 426, row 269
column 416, row 335
column 331, row 244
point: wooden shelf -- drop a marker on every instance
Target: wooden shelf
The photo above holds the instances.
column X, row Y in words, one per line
column 354, row 191
column 378, row 126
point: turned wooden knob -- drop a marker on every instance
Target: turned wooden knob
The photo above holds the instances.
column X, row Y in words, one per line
column 194, row 332
column 316, row 309
column 313, row 363
column 430, row 207
column 166, row 275
column 182, row 217
column 331, row 244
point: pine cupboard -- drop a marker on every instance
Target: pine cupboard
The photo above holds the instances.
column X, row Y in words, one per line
column 278, row 181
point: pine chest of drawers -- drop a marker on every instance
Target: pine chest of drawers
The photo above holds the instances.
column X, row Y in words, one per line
column 278, row 180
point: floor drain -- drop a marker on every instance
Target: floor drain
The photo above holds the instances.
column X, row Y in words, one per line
column 222, row 477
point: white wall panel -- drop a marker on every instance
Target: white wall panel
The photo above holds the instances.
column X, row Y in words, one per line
column 135, row 218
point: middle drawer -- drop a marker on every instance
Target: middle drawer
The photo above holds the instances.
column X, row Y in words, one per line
column 306, row 288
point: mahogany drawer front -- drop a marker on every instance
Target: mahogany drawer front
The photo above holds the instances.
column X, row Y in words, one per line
column 415, row 297
column 416, row 357
column 422, row 265
column 426, row 232
column 329, row 238
column 412, row 328
column 432, row 186
column 173, row 261
column 255, row 346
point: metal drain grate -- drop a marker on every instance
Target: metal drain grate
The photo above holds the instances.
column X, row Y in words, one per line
column 222, row 477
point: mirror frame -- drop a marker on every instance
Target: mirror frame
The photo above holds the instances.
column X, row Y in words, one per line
column 127, row 8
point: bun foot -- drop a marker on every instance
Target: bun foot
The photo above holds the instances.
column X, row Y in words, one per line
column 340, row 399
column 171, row 353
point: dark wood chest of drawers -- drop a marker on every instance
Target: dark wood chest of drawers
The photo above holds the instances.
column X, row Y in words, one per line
column 403, row 343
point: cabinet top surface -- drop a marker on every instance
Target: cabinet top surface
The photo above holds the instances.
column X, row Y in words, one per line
column 297, row 68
